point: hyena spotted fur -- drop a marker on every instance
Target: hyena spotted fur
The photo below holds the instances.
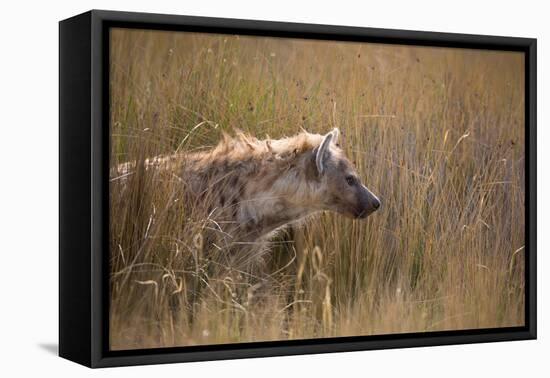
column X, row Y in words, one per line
column 251, row 188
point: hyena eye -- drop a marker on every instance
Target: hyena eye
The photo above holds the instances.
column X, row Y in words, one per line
column 351, row 180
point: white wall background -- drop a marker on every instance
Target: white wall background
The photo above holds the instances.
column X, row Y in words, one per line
column 29, row 189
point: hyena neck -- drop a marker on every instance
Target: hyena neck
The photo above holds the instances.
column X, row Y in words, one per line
column 284, row 197
column 264, row 225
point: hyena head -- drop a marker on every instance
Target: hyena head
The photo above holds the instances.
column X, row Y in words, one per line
column 339, row 186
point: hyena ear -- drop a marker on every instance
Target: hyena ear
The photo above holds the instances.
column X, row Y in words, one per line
column 335, row 135
column 323, row 153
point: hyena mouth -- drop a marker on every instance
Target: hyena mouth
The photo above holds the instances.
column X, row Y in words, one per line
column 362, row 214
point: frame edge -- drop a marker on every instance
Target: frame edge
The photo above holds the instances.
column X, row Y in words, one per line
column 75, row 334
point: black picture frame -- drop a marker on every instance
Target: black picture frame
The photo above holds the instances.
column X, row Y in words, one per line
column 83, row 182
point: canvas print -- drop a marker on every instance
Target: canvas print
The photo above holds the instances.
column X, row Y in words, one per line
column 267, row 189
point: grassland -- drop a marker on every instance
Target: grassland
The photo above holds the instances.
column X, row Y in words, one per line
column 436, row 133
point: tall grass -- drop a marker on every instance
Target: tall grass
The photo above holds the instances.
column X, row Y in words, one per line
column 437, row 133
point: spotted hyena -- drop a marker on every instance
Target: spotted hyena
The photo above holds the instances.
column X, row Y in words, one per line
column 251, row 188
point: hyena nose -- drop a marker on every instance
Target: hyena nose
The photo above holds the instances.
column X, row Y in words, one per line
column 374, row 201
